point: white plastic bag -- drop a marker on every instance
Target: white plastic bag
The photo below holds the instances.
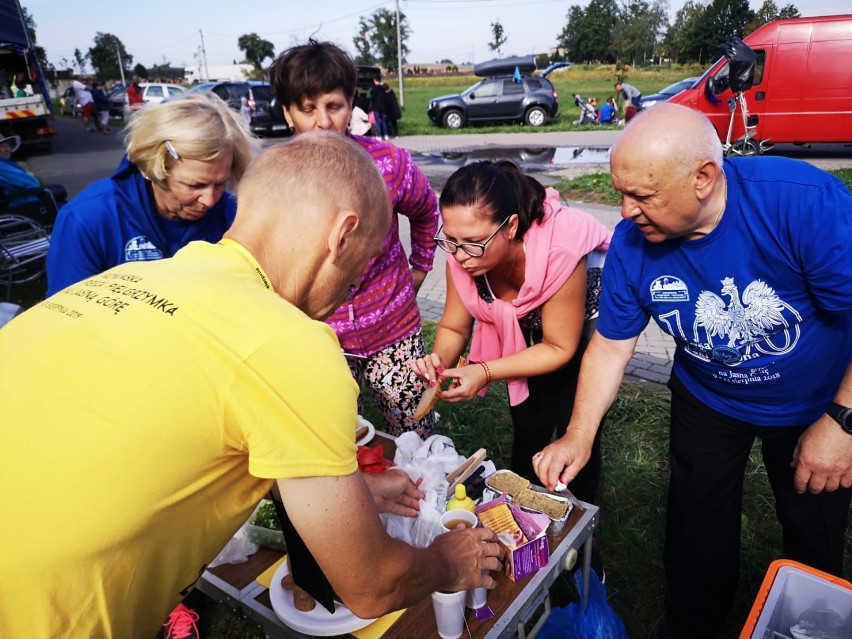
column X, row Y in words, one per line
column 238, row 549
column 430, row 461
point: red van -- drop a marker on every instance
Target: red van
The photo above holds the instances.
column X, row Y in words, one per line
column 802, row 89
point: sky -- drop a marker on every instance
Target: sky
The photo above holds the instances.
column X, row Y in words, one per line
column 158, row 31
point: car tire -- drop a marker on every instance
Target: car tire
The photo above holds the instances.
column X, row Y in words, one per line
column 452, row 119
column 535, row 116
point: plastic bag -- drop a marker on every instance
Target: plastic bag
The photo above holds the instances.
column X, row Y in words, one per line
column 598, row 621
column 429, row 461
column 238, row 549
column 741, row 64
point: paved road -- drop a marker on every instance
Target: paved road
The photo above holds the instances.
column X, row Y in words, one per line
column 80, row 158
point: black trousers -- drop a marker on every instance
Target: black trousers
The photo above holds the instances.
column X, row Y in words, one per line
column 708, row 454
column 546, row 413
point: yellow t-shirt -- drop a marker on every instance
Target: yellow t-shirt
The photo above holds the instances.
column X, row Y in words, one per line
column 144, row 412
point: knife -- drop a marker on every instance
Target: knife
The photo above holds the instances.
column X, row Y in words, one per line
column 465, row 469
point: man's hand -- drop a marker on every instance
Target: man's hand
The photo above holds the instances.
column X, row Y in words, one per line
column 417, row 276
column 823, row 458
column 473, row 553
column 394, row 492
column 563, row 459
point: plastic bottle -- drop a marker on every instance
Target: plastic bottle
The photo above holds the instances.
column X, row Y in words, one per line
column 461, row 500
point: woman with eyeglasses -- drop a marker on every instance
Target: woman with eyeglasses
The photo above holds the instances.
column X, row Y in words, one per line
column 522, row 280
column 169, row 190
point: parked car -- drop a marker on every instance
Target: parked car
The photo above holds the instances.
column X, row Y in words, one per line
column 670, row 91
column 507, row 94
column 68, row 104
column 152, row 93
column 259, row 95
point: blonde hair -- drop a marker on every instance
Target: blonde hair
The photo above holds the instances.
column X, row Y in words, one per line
column 197, row 127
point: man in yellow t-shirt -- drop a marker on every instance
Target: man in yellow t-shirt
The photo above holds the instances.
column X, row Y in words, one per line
column 147, row 409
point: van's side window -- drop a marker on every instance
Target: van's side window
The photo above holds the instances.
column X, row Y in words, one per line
column 722, row 82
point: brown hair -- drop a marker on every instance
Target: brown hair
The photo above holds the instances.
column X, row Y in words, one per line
column 310, row 70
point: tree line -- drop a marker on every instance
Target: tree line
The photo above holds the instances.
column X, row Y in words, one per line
column 638, row 32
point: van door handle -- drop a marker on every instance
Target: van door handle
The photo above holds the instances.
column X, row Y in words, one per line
column 760, row 95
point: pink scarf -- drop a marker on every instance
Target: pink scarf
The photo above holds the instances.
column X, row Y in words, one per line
column 553, row 247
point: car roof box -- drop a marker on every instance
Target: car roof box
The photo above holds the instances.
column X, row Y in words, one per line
column 505, row 66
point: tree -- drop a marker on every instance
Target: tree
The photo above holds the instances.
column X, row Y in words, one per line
column 639, row 29
column 363, row 46
column 256, row 49
column 40, row 53
column 381, row 33
column 768, row 12
column 141, row 70
column 566, row 40
column 594, row 36
column 105, row 54
column 680, row 38
column 499, row 38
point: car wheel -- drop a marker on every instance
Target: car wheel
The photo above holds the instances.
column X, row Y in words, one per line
column 536, row 116
column 453, row 119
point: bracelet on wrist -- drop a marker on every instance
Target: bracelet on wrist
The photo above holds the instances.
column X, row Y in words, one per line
column 487, row 372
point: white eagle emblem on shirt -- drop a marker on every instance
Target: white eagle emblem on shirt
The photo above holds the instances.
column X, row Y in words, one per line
column 758, row 315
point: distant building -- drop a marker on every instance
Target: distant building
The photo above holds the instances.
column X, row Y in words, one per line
column 218, row 73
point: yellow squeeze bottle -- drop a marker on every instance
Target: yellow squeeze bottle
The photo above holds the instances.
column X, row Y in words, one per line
column 461, row 500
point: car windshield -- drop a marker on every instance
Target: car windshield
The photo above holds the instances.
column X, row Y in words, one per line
column 677, row 87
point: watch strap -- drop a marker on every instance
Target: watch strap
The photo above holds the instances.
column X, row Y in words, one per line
column 842, row 415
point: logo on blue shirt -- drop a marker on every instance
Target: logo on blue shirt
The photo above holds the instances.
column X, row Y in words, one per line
column 140, row 249
column 668, row 288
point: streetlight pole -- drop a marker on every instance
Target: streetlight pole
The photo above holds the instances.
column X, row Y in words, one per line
column 204, row 57
column 399, row 57
column 120, row 64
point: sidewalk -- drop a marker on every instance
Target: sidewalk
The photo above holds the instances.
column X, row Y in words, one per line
column 652, row 358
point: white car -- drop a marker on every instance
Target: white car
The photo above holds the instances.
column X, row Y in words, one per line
column 152, row 93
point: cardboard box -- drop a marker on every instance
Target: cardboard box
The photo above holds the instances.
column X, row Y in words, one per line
column 799, row 598
column 521, row 559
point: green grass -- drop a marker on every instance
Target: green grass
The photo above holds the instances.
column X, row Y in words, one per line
column 588, row 81
column 597, row 187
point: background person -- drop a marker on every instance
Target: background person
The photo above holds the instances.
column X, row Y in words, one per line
column 607, row 112
column 518, row 266
column 135, row 100
column 101, row 107
column 83, row 95
column 380, row 323
column 728, row 258
column 181, row 413
column 14, row 178
column 632, row 99
column 378, row 106
column 392, row 111
column 169, row 189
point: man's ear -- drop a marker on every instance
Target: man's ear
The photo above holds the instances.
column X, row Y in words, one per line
column 705, row 179
column 287, row 117
column 342, row 235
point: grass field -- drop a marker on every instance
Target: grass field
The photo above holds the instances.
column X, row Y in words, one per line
column 588, row 81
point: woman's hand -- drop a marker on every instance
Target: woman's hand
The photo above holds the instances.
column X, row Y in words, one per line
column 467, row 382
column 428, row 367
column 394, row 492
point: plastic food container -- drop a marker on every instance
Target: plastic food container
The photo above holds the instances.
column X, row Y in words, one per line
column 557, row 525
column 264, row 537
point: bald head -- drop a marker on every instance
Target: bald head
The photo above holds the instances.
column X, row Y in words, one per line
column 673, row 135
column 312, row 211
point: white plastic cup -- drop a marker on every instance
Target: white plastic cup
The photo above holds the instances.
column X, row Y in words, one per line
column 449, row 613
column 476, row 598
column 450, row 519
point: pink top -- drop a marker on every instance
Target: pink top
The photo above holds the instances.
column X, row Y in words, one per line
column 383, row 310
column 553, row 248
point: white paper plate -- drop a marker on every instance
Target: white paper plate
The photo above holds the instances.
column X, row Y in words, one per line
column 319, row 622
column 371, row 431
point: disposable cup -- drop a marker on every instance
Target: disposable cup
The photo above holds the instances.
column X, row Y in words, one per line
column 454, row 518
column 449, row 613
column 476, row 597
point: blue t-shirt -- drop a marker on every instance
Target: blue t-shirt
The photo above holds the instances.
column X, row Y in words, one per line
column 761, row 307
column 115, row 221
column 607, row 112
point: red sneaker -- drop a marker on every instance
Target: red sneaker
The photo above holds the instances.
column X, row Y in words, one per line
column 181, row 624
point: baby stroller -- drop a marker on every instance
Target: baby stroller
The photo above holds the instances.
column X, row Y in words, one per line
column 588, row 115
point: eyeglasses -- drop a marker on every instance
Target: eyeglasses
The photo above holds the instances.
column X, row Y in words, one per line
column 474, row 249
